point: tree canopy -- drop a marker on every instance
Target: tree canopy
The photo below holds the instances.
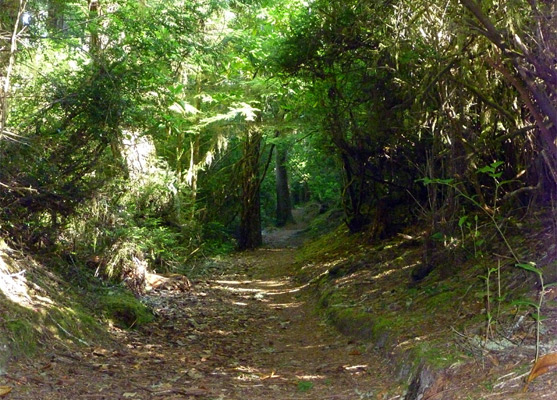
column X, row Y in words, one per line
column 123, row 118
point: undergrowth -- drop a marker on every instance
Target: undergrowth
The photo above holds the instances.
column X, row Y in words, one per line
column 367, row 292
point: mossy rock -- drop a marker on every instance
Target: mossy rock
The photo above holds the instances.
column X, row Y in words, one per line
column 125, row 311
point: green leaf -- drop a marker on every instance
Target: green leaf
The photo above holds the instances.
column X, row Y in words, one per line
column 496, row 164
column 437, row 236
column 487, row 169
column 529, row 267
column 462, row 220
column 539, row 317
column 525, row 302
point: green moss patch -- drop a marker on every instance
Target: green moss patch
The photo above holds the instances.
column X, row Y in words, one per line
column 352, row 322
column 23, row 336
column 124, row 310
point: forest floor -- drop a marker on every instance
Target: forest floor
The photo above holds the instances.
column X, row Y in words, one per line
column 248, row 329
column 250, row 332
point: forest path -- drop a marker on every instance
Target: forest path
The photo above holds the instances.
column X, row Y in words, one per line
column 248, row 333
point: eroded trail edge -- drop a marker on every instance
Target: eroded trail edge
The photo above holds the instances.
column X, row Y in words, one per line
column 250, row 332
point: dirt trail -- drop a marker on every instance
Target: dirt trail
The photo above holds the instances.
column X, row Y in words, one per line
column 249, row 333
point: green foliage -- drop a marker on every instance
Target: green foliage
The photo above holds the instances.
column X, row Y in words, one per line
column 305, row 386
column 139, row 224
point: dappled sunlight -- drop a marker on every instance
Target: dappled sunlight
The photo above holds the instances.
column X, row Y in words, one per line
column 384, row 273
column 388, row 272
column 237, row 290
column 251, row 374
column 233, row 282
column 310, row 377
column 258, row 287
column 355, row 368
column 413, row 341
column 13, row 284
column 257, row 283
column 316, row 346
column 280, row 306
column 271, row 284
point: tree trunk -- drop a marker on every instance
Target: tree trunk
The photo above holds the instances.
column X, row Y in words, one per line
column 94, row 14
column 284, row 204
column 250, row 218
column 55, row 20
column 7, row 64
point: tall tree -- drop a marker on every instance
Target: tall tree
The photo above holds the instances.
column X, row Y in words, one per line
column 250, row 217
column 284, row 202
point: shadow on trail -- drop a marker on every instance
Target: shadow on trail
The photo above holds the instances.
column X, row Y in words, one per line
column 250, row 333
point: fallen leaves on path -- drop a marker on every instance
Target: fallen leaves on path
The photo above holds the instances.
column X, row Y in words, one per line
column 248, row 335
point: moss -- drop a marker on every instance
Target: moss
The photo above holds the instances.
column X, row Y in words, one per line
column 73, row 324
column 330, row 298
column 352, row 322
column 329, row 246
column 441, row 301
column 124, row 310
column 436, row 355
column 23, row 336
